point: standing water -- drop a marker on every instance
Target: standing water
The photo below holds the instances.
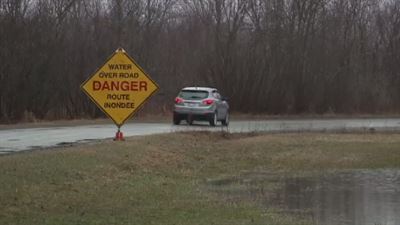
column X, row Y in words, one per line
column 356, row 197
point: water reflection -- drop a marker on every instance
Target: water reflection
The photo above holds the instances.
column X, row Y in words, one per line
column 361, row 197
column 357, row 197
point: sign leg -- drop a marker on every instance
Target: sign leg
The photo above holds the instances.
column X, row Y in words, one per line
column 119, row 136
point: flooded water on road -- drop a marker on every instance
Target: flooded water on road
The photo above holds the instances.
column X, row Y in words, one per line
column 361, row 197
column 357, row 197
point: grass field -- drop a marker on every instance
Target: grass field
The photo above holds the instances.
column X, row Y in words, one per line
column 164, row 179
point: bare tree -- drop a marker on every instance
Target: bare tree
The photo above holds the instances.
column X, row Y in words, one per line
column 269, row 56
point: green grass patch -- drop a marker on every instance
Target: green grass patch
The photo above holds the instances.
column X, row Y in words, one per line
column 166, row 179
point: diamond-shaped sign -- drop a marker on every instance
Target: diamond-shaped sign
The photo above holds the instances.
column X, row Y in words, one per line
column 120, row 87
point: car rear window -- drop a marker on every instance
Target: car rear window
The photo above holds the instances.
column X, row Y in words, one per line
column 193, row 95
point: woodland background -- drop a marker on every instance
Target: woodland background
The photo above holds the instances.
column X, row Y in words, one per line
column 267, row 56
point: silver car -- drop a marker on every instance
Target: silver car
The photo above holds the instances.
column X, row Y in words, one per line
column 201, row 103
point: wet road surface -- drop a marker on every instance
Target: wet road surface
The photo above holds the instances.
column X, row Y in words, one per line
column 15, row 140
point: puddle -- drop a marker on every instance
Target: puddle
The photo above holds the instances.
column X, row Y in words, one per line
column 354, row 197
column 65, row 144
column 4, row 151
column 87, row 140
column 13, row 139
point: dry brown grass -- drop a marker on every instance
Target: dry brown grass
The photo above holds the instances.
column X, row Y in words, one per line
column 127, row 182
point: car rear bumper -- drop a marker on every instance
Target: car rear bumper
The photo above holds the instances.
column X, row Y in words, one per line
column 194, row 113
column 183, row 110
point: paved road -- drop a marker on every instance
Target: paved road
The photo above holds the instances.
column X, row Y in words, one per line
column 15, row 140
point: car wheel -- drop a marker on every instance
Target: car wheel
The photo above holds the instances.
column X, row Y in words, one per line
column 213, row 119
column 176, row 119
column 225, row 121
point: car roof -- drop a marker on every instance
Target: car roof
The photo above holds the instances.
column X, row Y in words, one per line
column 198, row 89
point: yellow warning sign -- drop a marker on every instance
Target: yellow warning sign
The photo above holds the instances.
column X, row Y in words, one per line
column 120, row 87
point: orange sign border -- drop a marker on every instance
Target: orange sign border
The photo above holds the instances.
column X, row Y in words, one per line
column 120, row 50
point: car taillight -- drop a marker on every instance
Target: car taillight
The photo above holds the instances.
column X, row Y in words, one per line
column 208, row 102
column 178, row 100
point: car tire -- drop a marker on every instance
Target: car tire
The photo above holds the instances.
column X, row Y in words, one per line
column 225, row 122
column 213, row 119
column 176, row 119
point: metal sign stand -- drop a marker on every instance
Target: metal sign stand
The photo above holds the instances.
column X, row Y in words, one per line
column 119, row 136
